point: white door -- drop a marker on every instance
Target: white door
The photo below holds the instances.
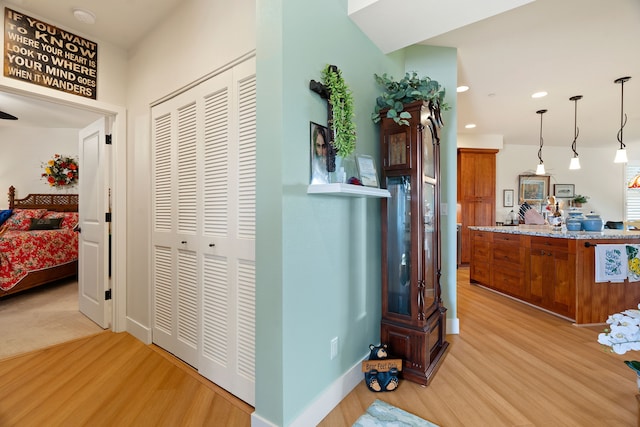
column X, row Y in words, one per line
column 203, row 236
column 174, row 234
column 93, row 259
column 227, row 355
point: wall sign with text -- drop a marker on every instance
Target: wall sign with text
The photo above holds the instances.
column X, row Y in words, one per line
column 45, row 55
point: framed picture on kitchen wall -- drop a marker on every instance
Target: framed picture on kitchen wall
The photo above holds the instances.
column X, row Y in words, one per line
column 564, row 191
column 507, row 198
column 533, row 188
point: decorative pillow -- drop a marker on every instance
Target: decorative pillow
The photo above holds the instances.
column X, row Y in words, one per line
column 69, row 219
column 45, row 223
column 4, row 215
column 21, row 218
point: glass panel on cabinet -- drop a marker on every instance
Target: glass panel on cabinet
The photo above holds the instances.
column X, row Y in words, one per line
column 430, row 244
column 399, row 245
column 398, row 149
column 428, row 156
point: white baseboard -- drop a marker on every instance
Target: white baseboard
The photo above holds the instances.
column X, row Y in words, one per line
column 325, row 403
column 334, row 394
column 258, row 421
column 143, row 333
column 453, row 326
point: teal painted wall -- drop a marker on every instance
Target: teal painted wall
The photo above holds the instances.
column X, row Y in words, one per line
column 270, row 123
column 440, row 63
column 317, row 257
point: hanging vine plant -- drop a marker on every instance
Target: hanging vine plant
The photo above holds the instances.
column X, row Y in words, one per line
column 341, row 115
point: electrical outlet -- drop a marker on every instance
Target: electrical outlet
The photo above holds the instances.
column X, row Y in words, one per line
column 334, row 348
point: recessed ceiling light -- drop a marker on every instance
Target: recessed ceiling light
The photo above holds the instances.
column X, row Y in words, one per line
column 84, row 16
column 462, row 88
column 470, row 126
column 539, row 94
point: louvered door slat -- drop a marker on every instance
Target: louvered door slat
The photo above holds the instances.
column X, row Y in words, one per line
column 187, row 327
column 216, row 312
column 245, row 302
column 216, row 154
column 187, row 169
column 162, row 173
column 163, row 289
column 246, row 158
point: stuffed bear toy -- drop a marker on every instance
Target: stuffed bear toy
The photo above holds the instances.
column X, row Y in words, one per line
column 380, row 381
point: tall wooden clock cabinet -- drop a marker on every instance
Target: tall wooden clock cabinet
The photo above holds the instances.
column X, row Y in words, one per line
column 413, row 317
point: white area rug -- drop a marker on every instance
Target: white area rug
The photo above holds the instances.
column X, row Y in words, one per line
column 383, row 414
column 42, row 317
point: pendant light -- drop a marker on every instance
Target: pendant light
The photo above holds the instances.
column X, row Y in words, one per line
column 575, row 161
column 621, row 154
column 540, row 169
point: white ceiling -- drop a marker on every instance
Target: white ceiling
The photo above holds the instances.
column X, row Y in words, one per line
column 567, row 48
column 421, row 19
column 119, row 22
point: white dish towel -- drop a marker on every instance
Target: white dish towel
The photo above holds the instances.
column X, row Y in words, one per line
column 611, row 263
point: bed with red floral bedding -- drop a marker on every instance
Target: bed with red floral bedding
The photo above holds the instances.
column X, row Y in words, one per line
column 22, row 252
column 38, row 241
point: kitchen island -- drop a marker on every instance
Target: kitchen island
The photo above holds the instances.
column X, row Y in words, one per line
column 551, row 269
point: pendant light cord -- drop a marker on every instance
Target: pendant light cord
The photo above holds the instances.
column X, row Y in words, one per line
column 576, row 131
column 541, row 112
column 623, row 116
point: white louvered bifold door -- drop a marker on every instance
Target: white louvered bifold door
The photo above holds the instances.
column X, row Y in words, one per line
column 228, row 326
column 203, row 262
column 175, row 227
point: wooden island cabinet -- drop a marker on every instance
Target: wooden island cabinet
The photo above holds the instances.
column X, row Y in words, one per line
column 550, row 269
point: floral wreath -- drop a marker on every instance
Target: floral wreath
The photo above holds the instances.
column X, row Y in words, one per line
column 60, row 171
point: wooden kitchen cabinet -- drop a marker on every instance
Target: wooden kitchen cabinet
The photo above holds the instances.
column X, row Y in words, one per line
column 481, row 247
column 551, row 269
column 507, row 265
column 552, row 275
column 538, row 270
column 476, row 193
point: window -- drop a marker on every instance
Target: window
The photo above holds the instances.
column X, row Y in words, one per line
column 632, row 176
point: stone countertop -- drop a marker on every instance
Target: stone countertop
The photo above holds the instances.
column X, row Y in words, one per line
column 557, row 232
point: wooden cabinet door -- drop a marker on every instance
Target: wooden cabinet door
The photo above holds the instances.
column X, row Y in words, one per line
column 396, row 146
column 479, row 269
column 484, row 176
column 551, row 280
column 538, row 276
column 476, row 192
column 562, row 285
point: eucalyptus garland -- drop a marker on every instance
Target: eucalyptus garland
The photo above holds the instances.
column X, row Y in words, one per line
column 404, row 91
column 341, row 101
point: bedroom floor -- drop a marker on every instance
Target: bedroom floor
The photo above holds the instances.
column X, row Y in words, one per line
column 42, row 317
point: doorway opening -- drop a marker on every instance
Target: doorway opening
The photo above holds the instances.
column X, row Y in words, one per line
column 61, row 113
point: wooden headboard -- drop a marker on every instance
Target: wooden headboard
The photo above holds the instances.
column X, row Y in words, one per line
column 50, row 202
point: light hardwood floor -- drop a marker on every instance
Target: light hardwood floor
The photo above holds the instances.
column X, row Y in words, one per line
column 512, row 365
column 111, row 380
